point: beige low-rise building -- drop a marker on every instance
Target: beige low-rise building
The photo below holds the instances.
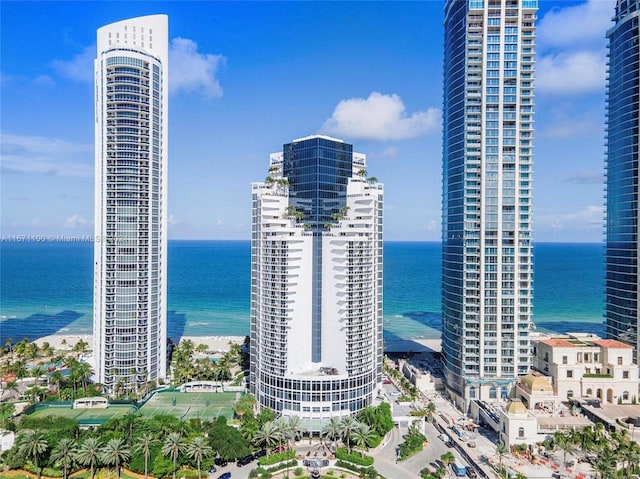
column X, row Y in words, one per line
column 586, row 366
column 517, row 425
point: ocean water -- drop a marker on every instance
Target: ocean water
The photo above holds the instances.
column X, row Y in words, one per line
column 46, row 288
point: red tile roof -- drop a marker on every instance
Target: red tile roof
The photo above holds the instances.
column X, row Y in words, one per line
column 612, row 343
column 558, row 343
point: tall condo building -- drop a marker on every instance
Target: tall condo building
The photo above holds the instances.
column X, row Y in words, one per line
column 316, row 282
column 622, row 258
column 487, row 258
column 130, row 254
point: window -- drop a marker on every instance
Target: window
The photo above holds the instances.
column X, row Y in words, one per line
column 625, row 374
column 521, row 432
column 493, row 393
column 565, row 360
column 472, row 392
column 625, row 395
column 619, row 360
column 569, row 374
column 589, row 392
column 569, row 393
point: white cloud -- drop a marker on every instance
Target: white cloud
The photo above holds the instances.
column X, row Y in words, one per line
column 48, row 156
column 571, row 73
column 189, row 70
column 76, row 221
column 79, row 68
column 380, row 117
column 565, row 122
column 192, row 71
column 572, row 48
column 172, row 221
column 585, row 23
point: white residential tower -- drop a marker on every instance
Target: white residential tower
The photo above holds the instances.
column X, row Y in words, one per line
column 130, row 254
column 316, row 282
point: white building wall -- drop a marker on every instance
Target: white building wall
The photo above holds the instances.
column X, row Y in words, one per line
column 349, row 369
column 131, row 173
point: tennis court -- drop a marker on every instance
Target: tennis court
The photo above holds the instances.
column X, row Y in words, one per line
column 191, row 405
column 85, row 416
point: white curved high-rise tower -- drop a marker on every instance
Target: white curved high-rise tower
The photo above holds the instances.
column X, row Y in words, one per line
column 316, row 282
column 130, row 253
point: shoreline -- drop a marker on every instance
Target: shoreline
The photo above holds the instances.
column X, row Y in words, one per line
column 62, row 342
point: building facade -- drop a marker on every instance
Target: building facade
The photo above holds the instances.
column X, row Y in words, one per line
column 131, row 152
column 316, row 282
column 588, row 367
column 487, row 257
column 621, row 235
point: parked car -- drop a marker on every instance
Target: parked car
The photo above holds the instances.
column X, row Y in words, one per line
column 226, row 475
column 212, row 469
column 260, row 453
column 220, row 462
column 243, row 461
column 471, row 473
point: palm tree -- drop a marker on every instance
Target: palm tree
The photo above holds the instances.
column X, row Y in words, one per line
column 562, row 442
column 605, row 467
column 33, row 445
column 173, row 446
column 292, row 429
column 348, row 424
column 89, row 453
column 36, row 372
column 363, row 435
column 448, row 458
column 57, row 378
column 332, row 430
column 198, row 449
column 268, row 435
column 145, row 442
column 431, row 410
column 501, row 451
column 64, row 455
column 115, row 452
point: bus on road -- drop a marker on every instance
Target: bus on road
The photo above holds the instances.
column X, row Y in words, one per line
column 459, row 469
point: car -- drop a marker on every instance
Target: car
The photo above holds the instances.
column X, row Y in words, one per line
column 220, row 462
column 243, row 461
column 212, row 469
column 471, row 473
column 225, row 475
column 260, row 453
column 444, row 438
column 386, row 381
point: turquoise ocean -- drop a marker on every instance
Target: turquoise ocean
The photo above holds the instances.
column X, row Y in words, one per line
column 46, row 288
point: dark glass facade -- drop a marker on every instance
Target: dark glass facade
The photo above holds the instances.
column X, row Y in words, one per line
column 318, row 170
column 621, row 281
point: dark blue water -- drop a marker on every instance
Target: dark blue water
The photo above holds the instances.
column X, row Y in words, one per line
column 48, row 287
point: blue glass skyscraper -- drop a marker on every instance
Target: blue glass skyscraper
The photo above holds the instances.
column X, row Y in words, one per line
column 621, row 284
column 487, row 270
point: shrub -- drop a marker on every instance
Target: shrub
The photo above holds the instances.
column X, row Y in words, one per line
column 277, row 457
column 298, row 471
column 354, row 457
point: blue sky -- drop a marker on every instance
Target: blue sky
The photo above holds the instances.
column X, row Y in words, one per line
column 247, row 77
